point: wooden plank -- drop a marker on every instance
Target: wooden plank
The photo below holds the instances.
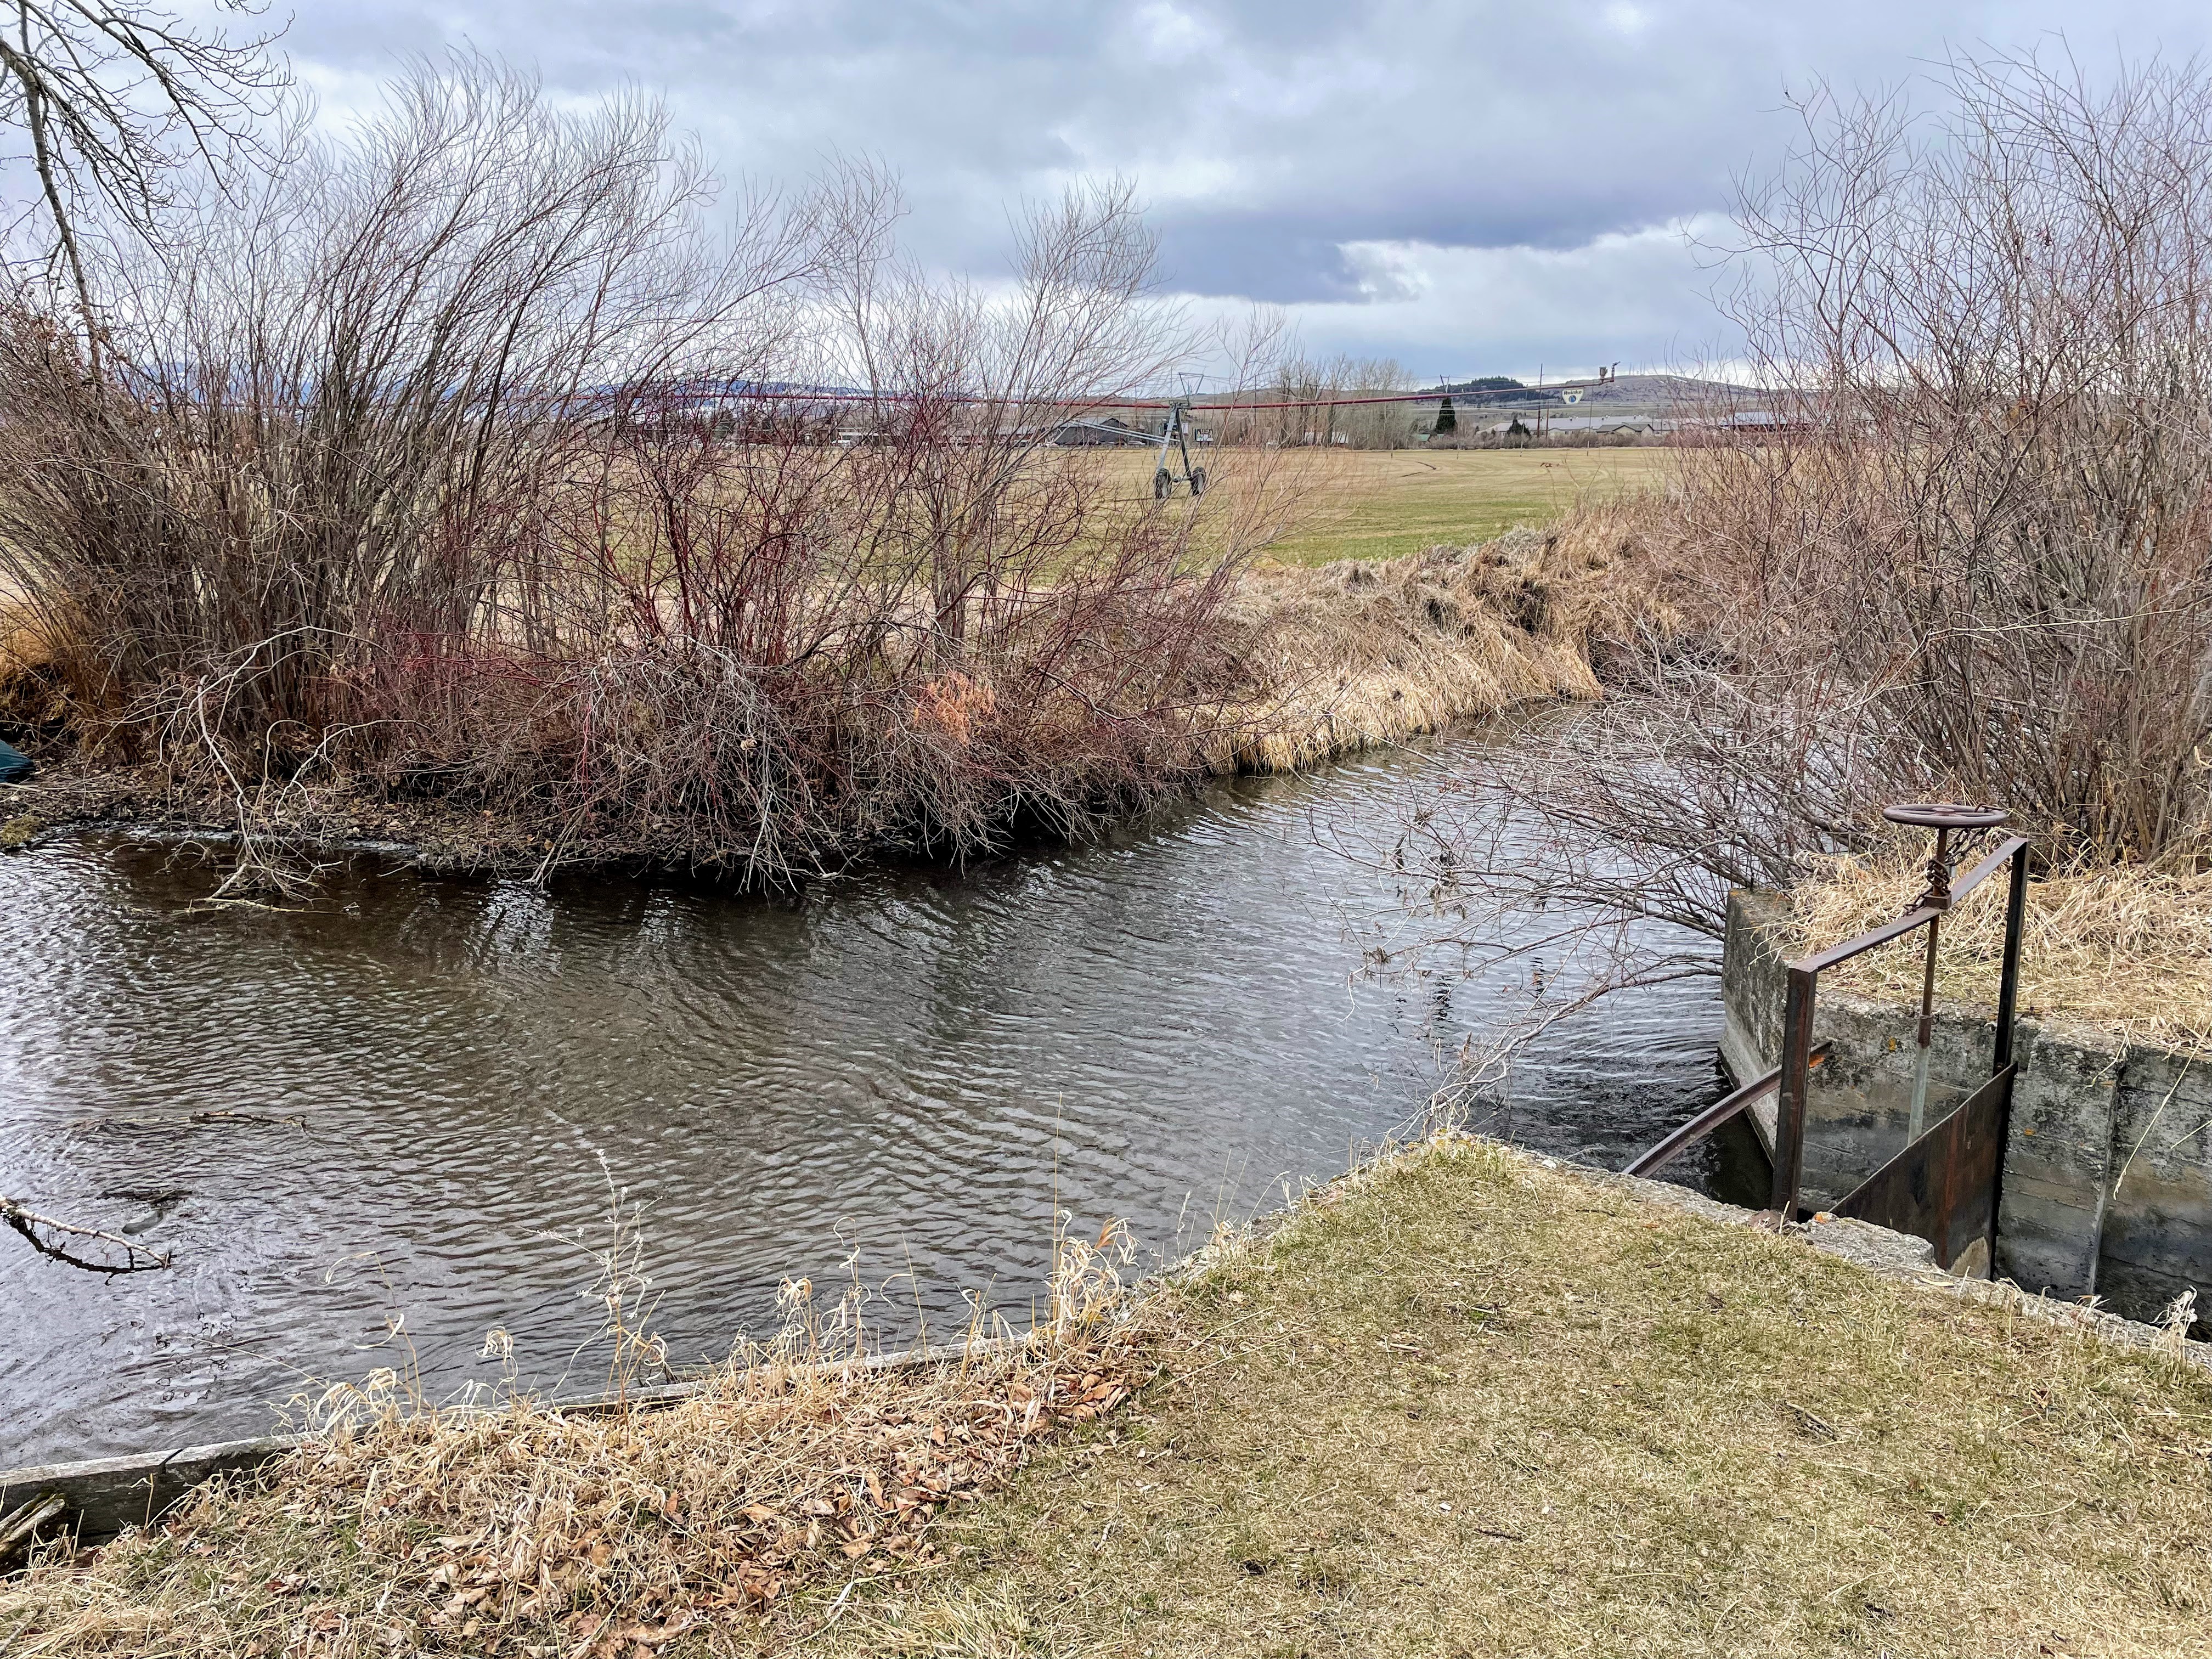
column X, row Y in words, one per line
column 107, row 1494
column 19, row 1528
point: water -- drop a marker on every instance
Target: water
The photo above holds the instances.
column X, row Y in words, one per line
column 1165, row 1026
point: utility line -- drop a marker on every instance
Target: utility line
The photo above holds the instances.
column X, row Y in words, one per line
column 787, row 395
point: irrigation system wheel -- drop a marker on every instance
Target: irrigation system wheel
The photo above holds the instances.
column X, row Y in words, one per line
column 1163, row 485
column 1197, row 481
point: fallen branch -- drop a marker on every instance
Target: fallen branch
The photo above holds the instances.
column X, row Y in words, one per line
column 26, row 1222
column 167, row 1120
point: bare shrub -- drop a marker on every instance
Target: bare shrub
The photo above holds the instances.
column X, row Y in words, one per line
column 321, row 406
column 766, row 637
column 1979, row 539
column 1966, row 559
column 749, row 663
column 468, row 459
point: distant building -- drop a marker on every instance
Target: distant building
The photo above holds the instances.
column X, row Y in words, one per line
column 1630, row 426
column 1111, row 432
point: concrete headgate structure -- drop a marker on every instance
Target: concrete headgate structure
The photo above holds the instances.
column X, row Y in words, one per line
column 2068, row 1160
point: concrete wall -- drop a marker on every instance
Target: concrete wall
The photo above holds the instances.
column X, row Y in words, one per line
column 2077, row 1216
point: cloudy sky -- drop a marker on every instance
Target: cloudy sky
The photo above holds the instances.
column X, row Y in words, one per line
column 1469, row 185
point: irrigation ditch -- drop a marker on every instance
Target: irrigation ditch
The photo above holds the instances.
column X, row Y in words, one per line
column 372, row 1128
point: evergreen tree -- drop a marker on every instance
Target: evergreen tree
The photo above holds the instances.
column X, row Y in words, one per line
column 1447, row 419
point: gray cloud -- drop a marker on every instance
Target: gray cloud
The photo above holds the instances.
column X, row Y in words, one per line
column 1269, row 134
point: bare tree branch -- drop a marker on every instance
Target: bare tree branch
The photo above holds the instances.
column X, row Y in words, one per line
column 116, row 97
column 33, row 1227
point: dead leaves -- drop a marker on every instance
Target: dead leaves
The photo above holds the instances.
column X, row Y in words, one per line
column 585, row 1535
column 606, row 1537
column 597, row 1634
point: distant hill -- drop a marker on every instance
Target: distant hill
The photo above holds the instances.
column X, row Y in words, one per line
column 1646, row 394
column 1666, row 389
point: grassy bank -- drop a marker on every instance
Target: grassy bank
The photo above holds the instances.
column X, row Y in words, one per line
column 1297, row 665
column 1463, row 1402
column 1469, row 1405
column 1355, row 653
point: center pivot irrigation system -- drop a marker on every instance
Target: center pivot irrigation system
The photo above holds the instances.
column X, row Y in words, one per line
column 1163, row 478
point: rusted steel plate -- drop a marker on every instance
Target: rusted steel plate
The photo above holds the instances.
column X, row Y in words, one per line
column 1942, row 1187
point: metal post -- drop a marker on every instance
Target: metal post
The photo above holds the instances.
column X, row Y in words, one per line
column 2001, row 1051
column 1937, row 896
column 1789, row 1106
column 1924, row 1037
column 2008, row 979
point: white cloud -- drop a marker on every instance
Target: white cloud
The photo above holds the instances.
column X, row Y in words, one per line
column 1171, row 35
column 1442, row 178
column 1624, row 18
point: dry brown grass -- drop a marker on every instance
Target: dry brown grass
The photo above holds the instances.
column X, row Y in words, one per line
column 2124, row 950
column 1470, row 1404
column 1355, row 653
column 24, row 645
column 737, row 1520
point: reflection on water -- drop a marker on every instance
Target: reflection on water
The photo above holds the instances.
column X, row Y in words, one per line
column 1165, row 1026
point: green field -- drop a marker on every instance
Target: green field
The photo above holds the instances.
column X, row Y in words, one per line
column 1384, row 504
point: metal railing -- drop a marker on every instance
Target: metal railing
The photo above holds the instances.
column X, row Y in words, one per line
column 1727, row 1107
column 1944, row 1185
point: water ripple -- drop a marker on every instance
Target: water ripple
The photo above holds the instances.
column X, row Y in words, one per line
column 1162, row 1026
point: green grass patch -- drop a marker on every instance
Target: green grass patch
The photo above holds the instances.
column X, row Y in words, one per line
column 1392, row 504
column 1387, row 504
column 1466, row 1405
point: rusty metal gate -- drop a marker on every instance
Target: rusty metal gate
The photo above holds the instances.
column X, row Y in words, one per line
column 1944, row 1186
